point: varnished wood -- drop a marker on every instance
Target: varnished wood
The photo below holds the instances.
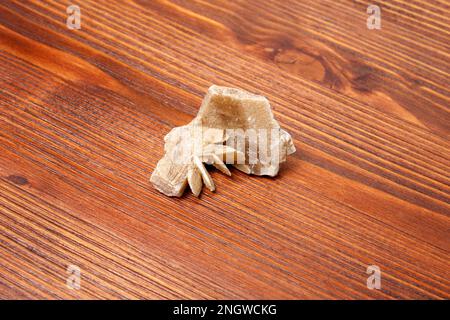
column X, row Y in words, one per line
column 83, row 114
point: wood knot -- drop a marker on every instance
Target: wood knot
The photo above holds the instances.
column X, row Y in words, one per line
column 18, row 180
column 364, row 78
column 305, row 64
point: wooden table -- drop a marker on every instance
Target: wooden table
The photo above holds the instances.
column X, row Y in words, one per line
column 84, row 112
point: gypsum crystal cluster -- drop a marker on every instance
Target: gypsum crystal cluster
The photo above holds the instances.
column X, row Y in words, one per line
column 234, row 127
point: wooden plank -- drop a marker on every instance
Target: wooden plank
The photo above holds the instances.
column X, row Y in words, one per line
column 83, row 114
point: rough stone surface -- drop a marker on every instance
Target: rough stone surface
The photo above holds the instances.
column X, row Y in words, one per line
column 233, row 127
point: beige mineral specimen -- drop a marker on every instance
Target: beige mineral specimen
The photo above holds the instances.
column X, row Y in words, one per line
column 233, row 127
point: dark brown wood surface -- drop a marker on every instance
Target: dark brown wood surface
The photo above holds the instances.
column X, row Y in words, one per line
column 83, row 114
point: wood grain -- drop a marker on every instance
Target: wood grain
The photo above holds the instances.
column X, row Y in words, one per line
column 83, row 114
